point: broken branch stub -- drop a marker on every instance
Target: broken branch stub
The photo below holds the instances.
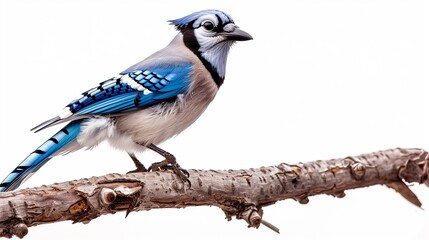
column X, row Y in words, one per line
column 239, row 193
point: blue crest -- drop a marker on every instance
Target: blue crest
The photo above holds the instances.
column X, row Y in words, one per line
column 184, row 21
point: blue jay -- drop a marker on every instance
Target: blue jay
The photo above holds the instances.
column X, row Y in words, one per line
column 147, row 103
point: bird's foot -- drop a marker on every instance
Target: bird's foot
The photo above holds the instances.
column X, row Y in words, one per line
column 168, row 163
column 171, row 164
column 138, row 169
column 139, row 166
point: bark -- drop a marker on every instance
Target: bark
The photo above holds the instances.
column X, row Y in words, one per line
column 239, row 193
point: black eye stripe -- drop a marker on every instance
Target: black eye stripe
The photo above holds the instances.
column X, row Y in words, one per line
column 219, row 27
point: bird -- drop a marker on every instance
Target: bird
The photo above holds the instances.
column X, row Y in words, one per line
column 148, row 103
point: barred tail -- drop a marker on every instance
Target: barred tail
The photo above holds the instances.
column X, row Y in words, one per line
column 40, row 156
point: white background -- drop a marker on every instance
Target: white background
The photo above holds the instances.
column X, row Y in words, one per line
column 321, row 79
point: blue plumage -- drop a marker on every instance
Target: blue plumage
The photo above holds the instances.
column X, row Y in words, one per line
column 112, row 96
column 184, row 21
column 40, row 156
column 149, row 102
column 120, row 94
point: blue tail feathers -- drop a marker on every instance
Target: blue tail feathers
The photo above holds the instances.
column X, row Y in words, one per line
column 40, row 156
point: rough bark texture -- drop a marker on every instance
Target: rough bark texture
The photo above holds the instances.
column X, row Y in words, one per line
column 239, row 193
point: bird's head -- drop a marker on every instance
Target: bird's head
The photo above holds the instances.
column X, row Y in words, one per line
column 210, row 34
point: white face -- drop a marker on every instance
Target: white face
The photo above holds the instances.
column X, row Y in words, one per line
column 206, row 30
column 213, row 47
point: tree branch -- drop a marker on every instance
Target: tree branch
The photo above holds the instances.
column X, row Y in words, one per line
column 239, row 193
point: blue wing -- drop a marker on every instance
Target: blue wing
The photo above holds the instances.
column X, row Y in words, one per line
column 133, row 90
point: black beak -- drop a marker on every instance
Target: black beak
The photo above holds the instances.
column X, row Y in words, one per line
column 237, row 35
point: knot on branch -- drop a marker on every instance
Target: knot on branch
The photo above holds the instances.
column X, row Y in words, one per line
column 249, row 212
column 19, row 229
column 109, row 198
column 252, row 215
column 358, row 170
column 416, row 169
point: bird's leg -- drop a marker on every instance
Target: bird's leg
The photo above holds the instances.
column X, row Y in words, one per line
column 139, row 166
column 168, row 162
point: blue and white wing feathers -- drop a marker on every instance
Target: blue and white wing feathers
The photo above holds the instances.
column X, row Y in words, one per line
column 131, row 90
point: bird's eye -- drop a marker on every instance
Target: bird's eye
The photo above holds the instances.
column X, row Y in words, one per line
column 208, row 25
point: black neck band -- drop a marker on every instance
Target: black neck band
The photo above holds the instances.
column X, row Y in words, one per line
column 191, row 42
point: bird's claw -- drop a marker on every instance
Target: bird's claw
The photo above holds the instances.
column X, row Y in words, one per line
column 139, row 169
column 175, row 167
column 168, row 163
column 139, row 166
